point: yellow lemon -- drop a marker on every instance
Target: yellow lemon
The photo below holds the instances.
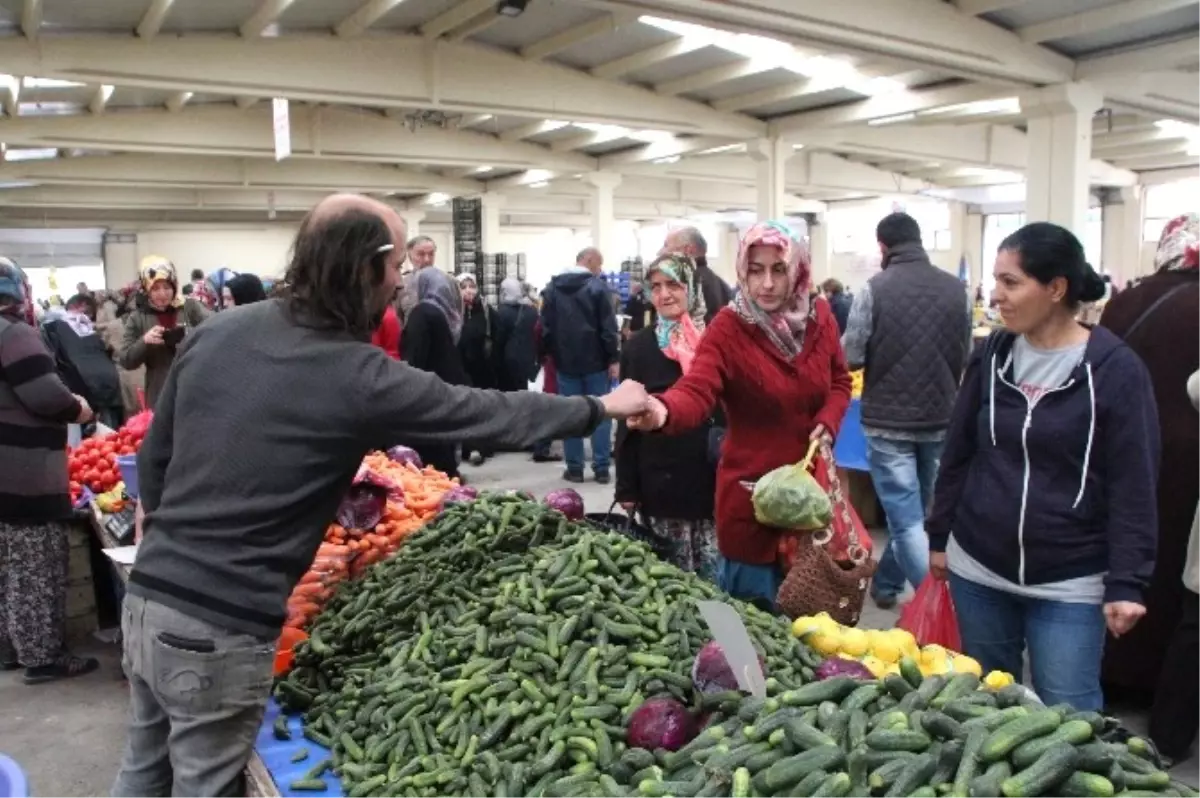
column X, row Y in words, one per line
column 876, row 666
column 855, row 642
column 803, row 625
column 998, row 679
column 939, row 667
column 827, row 644
column 906, row 642
column 932, row 652
column 886, row 649
column 961, row 663
column 927, row 670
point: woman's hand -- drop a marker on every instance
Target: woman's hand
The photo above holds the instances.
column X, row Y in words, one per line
column 1121, row 616
column 654, row 417
column 821, row 433
column 937, row 565
column 154, row 335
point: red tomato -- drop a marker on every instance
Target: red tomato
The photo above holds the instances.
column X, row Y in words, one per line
column 127, row 449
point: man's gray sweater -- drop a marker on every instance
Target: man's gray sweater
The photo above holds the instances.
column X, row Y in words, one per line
column 257, row 435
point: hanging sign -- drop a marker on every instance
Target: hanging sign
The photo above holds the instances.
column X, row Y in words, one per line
column 283, row 129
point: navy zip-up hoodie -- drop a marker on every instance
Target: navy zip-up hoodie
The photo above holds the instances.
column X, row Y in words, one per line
column 1064, row 486
column 579, row 324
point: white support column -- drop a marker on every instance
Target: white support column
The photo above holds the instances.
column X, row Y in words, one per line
column 1060, row 149
column 1132, row 222
column 771, row 157
column 492, row 204
column 413, row 218
column 820, row 249
column 603, row 217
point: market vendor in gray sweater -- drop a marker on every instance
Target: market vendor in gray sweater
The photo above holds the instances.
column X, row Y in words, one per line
column 258, row 432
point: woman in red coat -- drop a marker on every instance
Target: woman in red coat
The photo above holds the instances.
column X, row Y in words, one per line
column 774, row 361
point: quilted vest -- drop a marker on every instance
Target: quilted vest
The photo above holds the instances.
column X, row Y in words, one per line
column 918, row 346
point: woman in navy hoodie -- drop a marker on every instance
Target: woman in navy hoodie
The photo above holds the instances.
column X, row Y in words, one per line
column 1044, row 513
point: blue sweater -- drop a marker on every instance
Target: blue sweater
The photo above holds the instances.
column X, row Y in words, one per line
column 1056, row 488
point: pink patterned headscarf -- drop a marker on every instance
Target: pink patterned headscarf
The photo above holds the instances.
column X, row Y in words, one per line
column 784, row 327
column 1179, row 245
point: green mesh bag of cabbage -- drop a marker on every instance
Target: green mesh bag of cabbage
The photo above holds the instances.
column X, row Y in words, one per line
column 790, row 498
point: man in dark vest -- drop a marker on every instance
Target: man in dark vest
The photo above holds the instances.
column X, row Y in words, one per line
column 910, row 329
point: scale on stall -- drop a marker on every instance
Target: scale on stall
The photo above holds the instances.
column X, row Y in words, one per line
column 121, row 526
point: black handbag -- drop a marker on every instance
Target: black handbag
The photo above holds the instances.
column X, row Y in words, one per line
column 629, row 526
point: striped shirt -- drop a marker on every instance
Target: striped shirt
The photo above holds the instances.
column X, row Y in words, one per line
column 35, row 408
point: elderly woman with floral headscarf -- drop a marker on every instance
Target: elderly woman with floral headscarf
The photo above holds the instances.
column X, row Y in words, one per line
column 669, row 478
column 35, row 504
column 1159, row 319
column 773, row 360
column 431, row 333
column 156, row 326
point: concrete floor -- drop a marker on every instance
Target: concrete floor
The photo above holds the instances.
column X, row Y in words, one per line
column 68, row 736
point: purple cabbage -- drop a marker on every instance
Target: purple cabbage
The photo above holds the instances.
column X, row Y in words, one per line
column 405, row 456
column 839, row 666
column 459, row 494
column 363, row 506
column 660, row 723
column 566, row 501
column 711, row 672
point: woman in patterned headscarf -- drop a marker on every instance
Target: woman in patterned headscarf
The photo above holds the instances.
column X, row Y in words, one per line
column 669, row 479
column 157, row 324
column 1159, row 318
column 774, row 362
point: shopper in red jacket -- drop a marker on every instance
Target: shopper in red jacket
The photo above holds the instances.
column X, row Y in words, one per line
column 387, row 334
column 774, row 361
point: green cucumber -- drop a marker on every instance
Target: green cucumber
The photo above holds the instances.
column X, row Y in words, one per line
column 968, row 766
column 898, row 740
column 911, row 671
column 987, row 785
column 941, row 725
column 1003, row 740
column 804, row 736
column 960, row 685
column 788, row 771
column 897, row 685
column 834, row 689
column 1081, row 784
column 1054, row 765
column 1075, row 732
column 916, row 773
column 838, row 784
column 882, row 777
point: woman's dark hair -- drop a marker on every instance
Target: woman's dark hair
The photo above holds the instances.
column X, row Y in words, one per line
column 197, row 275
column 1048, row 251
column 86, row 302
column 833, row 286
column 336, row 269
column 246, row 289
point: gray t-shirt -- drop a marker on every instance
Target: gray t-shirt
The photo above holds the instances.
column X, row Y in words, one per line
column 1035, row 371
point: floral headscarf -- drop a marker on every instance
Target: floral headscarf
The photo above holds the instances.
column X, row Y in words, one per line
column 1179, row 245
column 434, row 288
column 216, row 284
column 154, row 268
column 784, row 327
column 14, row 286
column 680, row 338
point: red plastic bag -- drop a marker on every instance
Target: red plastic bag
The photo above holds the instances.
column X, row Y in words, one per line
column 139, row 423
column 930, row 615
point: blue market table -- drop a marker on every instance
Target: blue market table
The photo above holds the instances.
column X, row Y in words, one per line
column 850, row 451
column 271, row 768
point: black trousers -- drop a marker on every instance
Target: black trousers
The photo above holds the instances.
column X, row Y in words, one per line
column 1173, row 719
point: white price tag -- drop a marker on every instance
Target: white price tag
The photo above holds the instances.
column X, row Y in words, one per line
column 730, row 633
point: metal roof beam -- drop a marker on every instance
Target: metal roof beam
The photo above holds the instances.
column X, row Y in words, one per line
column 1099, row 20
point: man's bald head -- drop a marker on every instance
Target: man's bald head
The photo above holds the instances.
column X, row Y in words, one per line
column 590, row 259
column 345, row 263
column 685, row 241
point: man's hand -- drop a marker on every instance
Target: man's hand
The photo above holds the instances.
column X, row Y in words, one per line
column 654, row 417
column 85, row 411
column 154, row 335
column 937, row 565
column 627, row 399
column 1121, row 616
column 614, row 371
column 628, row 507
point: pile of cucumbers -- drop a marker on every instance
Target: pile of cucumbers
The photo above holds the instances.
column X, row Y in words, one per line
column 903, row 736
column 503, row 649
column 501, row 652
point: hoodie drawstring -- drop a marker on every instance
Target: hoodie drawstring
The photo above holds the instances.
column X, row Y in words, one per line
column 992, row 402
column 1087, row 452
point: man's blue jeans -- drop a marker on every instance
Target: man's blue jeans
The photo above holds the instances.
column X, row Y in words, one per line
column 1065, row 640
column 903, row 473
column 596, row 384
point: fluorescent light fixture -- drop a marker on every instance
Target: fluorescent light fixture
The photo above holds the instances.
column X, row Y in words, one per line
column 49, row 83
column 553, row 124
column 437, row 198
column 106, row 91
column 667, row 160
column 31, row 154
column 540, row 184
column 1003, row 105
column 1173, row 128
column 723, row 148
column 482, row 170
column 538, row 176
column 891, row 120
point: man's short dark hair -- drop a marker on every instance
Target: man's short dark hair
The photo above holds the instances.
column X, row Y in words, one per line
column 694, row 237
column 898, row 228
column 417, row 241
column 187, row 289
column 197, row 274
